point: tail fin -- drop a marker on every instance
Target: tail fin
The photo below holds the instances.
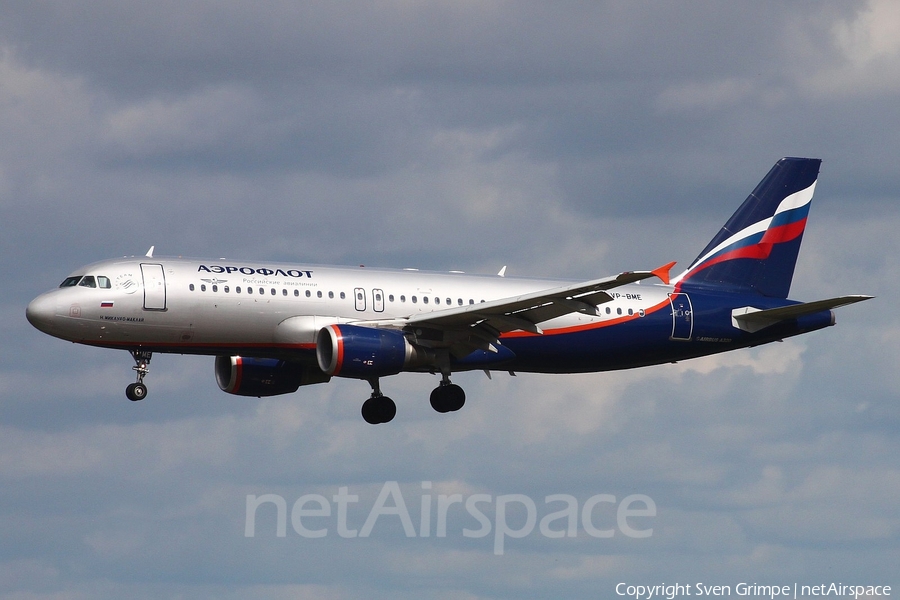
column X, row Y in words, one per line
column 756, row 251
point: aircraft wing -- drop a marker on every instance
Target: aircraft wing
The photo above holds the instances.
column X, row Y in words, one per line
column 753, row 319
column 487, row 320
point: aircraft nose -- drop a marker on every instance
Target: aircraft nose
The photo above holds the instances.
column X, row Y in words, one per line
column 41, row 311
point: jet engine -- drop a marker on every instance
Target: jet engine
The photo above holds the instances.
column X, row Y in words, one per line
column 366, row 352
column 248, row 376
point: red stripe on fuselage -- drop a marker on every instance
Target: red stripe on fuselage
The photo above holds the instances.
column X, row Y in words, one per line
column 188, row 345
column 588, row 326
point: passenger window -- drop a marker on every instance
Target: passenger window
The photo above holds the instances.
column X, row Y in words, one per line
column 88, row 281
column 103, row 282
column 437, row 300
column 319, row 294
column 618, row 311
column 449, row 302
column 308, row 293
column 273, row 291
column 227, row 289
column 630, row 312
column 202, row 287
column 471, row 301
column 237, row 290
column 424, row 299
column 249, row 290
column 459, row 301
column 608, row 311
column 359, row 296
column 331, row 295
column 284, row 292
column 296, row 293
column 414, row 299
column 191, row 287
column 70, row 281
column 402, row 298
column 215, row 288
column 343, row 295
column 262, row 291
column 390, row 297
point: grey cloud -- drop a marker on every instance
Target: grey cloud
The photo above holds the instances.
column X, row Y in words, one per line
column 571, row 140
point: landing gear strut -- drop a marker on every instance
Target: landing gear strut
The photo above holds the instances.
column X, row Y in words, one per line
column 137, row 390
column 378, row 408
column 447, row 397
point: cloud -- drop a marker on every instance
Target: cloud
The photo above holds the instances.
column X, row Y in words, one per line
column 867, row 45
column 567, row 142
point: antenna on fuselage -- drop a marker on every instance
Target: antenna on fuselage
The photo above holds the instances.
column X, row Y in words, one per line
column 150, row 252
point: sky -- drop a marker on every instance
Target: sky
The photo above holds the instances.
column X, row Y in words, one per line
column 572, row 140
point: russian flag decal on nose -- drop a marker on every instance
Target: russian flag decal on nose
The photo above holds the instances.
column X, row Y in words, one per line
column 106, row 304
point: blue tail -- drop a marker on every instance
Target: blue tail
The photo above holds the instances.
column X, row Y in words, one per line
column 756, row 251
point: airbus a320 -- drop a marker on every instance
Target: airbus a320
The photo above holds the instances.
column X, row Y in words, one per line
column 275, row 327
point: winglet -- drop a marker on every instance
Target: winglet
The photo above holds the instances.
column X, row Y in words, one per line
column 502, row 272
column 150, row 252
column 663, row 272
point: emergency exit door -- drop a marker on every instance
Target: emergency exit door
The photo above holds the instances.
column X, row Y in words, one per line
column 359, row 298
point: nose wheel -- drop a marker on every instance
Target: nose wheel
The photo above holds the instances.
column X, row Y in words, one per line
column 137, row 390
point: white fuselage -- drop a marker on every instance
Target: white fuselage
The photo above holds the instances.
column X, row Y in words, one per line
column 209, row 307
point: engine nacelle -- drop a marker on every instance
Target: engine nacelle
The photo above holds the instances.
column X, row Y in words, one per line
column 364, row 352
column 248, row 376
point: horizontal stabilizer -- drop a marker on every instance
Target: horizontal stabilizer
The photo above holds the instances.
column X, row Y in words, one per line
column 752, row 319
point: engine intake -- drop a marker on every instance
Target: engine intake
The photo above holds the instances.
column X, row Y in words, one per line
column 249, row 376
column 364, row 352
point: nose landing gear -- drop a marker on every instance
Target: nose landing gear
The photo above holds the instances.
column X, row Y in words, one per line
column 137, row 390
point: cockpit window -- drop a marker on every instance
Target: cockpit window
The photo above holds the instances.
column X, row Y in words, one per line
column 103, row 282
column 88, row 281
column 70, row 281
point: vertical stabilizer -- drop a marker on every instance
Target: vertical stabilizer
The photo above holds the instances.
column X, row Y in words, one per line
column 756, row 251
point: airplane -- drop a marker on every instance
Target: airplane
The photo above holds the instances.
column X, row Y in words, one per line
column 275, row 327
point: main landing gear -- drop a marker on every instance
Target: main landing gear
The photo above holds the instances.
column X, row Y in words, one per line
column 378, row 408
column 137, row 390
column 447, row 397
